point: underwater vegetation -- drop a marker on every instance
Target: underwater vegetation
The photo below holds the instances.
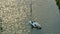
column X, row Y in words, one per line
column 58, row 3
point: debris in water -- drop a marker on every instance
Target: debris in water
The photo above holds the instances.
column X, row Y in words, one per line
column 35, row 25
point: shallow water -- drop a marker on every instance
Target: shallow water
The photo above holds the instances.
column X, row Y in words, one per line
column 15, row 15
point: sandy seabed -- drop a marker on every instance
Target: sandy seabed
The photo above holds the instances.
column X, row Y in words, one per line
column 14, row 15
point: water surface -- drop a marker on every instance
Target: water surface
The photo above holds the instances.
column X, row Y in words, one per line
column 47, row 14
